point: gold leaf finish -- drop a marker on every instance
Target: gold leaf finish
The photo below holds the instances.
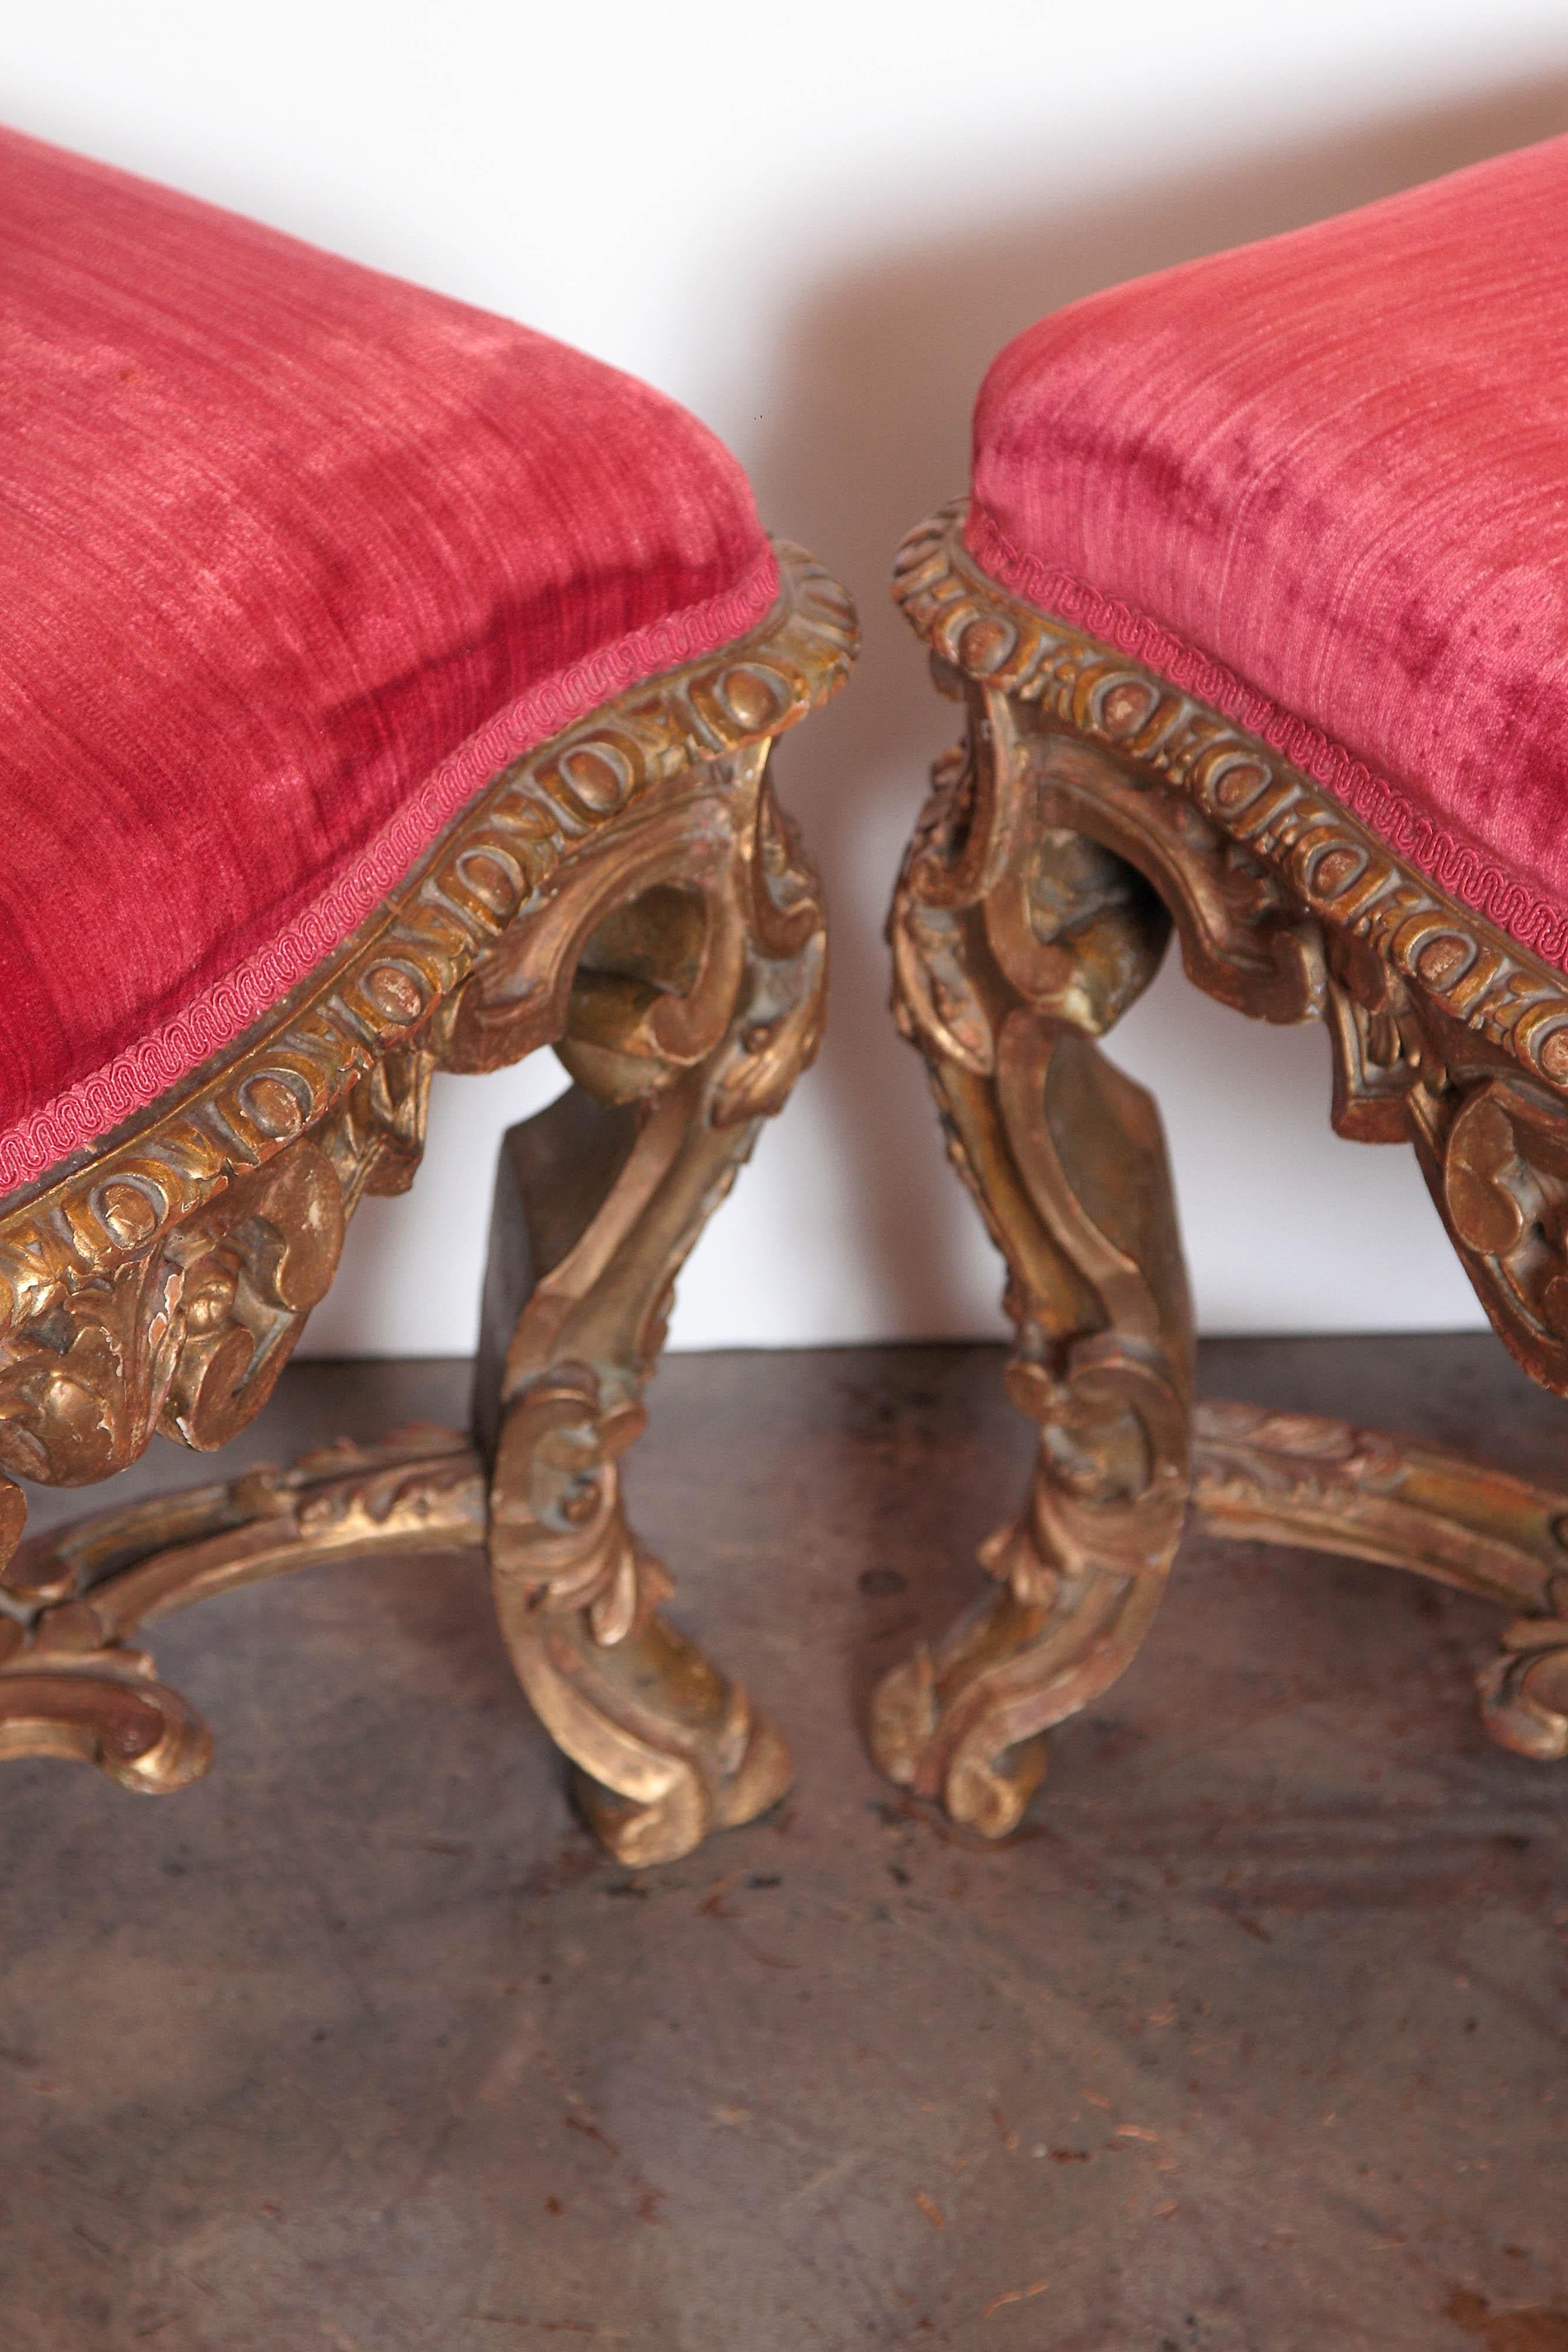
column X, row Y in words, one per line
column 629, row 893
column 70, row 1682
column 1018, row 940
column 1092, row 806
column 598, row 1200
column 491, row 873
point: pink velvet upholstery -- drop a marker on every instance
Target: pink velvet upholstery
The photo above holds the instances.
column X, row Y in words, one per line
column 293, row 558
column 1322, row 482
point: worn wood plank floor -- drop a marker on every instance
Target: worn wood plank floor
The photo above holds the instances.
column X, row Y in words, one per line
column 1253, row 2041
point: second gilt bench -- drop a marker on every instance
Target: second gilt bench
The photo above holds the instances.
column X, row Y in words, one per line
column 1258, row 614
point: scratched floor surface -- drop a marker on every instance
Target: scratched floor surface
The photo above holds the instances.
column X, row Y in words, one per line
column 1253, row 2041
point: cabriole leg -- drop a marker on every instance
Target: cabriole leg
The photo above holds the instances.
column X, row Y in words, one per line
column 697, row 1003
column 1015, row 943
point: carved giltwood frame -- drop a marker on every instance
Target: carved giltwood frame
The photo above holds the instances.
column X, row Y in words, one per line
column 1091, row 805
column 627, row 893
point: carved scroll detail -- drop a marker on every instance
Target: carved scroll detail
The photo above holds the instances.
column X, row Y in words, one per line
column 72, row 1683
column 680, row 968
column 190, row 1335
column 629, row 893
column 695, row 1005
column 163, row 1279
column 1019, row 939
column 1444, row 1034
column 1446, row 1031
column 1322, row 1485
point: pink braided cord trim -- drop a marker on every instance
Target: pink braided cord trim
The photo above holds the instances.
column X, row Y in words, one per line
column 224, row 1009
column 1446, row 857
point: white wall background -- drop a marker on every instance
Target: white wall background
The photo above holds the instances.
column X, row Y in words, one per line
column 815, row 225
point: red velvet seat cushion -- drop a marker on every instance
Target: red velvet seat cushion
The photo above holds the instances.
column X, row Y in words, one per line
column 1322, row 482
column 293, row 558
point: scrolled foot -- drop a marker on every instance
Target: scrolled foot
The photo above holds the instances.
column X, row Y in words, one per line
column 666, row 1747
column 69, row 1689
column 65, row 1693
column 1524, row 1692
column 939, row 1723
column 719, row 1762
column 1080, row 1574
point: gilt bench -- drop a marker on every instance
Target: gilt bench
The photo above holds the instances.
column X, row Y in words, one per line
column 1257, row 611
column 386, row 690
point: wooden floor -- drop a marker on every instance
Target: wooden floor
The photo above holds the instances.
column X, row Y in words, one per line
column 1252, row 2041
